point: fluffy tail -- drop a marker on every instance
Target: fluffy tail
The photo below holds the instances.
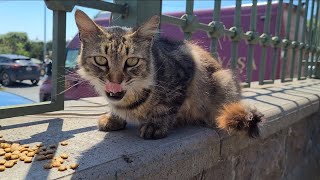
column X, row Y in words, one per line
column 237, row 116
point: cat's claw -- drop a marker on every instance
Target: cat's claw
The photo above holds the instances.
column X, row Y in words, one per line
column 153, row 131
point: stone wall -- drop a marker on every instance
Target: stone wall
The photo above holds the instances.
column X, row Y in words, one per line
column 292, row 153
column 288, row 149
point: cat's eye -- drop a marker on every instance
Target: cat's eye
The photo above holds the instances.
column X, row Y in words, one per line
column 132, row 62
column 101, row 61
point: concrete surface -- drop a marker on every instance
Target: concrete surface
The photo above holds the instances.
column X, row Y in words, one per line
column 190, row 152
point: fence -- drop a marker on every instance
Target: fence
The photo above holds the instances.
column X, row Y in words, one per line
column 135, row 12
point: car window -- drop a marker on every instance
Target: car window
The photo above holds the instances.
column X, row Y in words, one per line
column 71, row 60
column 22, row 61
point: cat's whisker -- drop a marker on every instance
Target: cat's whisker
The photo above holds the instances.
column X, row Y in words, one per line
column 69, row 88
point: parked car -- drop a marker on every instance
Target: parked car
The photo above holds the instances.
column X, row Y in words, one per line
column 75, row 86
column 41, row 65
column 202, row 39
column 9, row 99
column 15, row 67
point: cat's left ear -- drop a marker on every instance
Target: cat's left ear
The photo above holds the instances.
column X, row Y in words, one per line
column 149, row 29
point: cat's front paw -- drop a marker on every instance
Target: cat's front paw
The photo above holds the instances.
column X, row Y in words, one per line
column 153, row 131
column 109, row 122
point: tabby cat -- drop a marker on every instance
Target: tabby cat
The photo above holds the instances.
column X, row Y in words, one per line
column 158, row 82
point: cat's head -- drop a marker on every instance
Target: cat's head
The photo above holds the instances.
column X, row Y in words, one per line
column 116, row 60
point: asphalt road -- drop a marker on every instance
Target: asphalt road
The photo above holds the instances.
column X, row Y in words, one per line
column 25, row 89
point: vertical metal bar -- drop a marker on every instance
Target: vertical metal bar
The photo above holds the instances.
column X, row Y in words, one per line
column 285, row 54
column 277, row 33
column 58, row 57
column 216, row 18
column 313, row 39
column 303, row 38
column 309, row 72
column 234, row 48
column 266, row 29
column 189, row 11
column 253, row 22
column 45, row 31
column 295, row 39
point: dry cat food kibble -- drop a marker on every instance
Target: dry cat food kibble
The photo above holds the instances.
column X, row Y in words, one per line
column 31, row 154
column 41, row 157
column 64, row 143
column 64, row 155
column 52, row 146
column 50, row 151
column 2, row 152
column 16, row 152
column 14, row 156
column 12, row 152
column 39, row 145
column 9, row 164
column 42, row 153
column 74, row 166
column 49, row 156
column 55, row 164
column 47, row 166
column 7, row 150
column 7, row 156
column 62, row 168
column 22, row 157
column 59, row 159
column 28, row 159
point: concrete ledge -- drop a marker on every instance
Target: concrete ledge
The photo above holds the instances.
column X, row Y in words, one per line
column 191, row 152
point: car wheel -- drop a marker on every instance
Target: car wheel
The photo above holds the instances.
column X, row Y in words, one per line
column 5, row 79
column 34, row 82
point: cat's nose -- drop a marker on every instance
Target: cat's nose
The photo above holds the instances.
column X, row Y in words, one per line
column 115, row 78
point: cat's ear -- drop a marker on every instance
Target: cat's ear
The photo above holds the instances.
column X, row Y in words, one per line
column 149, row 28
column 87, row 28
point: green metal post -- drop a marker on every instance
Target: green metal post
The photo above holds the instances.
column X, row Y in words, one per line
column 234, row 47
column 276, row 49
column 313, row 39
column 58, row 56
column 216, row 18
column 294, row 43
column 253, row 22
column 266, row 29
column 189, row 12
column 285, row 54
column 310, row 40
column 303, row 40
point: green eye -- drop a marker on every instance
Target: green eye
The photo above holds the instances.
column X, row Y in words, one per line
column 101, row 61
column 132, row 62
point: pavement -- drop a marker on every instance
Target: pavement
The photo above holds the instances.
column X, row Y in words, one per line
column 25, row 89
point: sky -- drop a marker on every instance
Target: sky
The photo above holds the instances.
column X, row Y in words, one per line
column 28, row 16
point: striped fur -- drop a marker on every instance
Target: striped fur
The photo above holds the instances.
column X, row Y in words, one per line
column 174, row 82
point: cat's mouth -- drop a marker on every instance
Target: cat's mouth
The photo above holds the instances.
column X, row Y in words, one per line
column 115, row 96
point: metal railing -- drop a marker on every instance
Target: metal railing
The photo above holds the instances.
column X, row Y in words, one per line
column 135, row 12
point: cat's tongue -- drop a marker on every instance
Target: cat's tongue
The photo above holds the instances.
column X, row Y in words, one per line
column 113, row 87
